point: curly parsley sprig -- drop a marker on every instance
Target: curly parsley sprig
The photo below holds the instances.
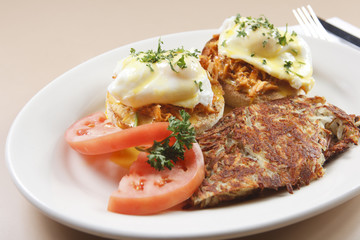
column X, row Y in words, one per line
column 164, row 155
column 149, row 57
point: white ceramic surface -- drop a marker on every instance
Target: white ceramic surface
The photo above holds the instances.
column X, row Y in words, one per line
column 74, row 191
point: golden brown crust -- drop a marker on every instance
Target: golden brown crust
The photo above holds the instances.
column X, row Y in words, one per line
column 243, row 83
column 280, row 143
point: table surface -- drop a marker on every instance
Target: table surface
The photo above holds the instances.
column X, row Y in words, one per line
column 40, row 40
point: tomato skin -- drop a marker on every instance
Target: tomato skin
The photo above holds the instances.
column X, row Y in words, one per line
column 146, row 191
column 95, row 134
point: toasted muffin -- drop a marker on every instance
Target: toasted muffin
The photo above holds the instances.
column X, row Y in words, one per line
column 201, row 117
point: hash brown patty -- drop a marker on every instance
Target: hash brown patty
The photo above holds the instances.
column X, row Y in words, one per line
column 270, row 145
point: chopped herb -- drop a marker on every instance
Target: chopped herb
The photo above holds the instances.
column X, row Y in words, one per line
column 255, row 26
column 264, row 61
column 256, row 23
column 287, row 66
column 181, row 62
column 172, row 67
column 224, row 43
column 253, row 54
column 300, row 76
column 199, row 84
column 242, row 33
column 164, row 155
column 264, row 43
column 149, row 66
column 149, row 57
column 294, row 51
column 237, row 19
column 194, row 54
column 132, row 51
column 282, row 39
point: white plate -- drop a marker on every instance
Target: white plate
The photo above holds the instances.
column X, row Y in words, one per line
column 74, row 191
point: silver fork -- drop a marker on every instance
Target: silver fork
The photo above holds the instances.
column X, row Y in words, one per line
column 310, row 23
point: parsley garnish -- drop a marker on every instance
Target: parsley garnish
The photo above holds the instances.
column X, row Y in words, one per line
column 181, row 62
column 149, row 57
column 163, row 155
column 149, row 66
column 245, row 24
column 132, row 51
column 237, row 19
column 242, row 33
column 199, row 84
column 282, row 40
column 264, row 43
column 255, row 26
column 287, row 66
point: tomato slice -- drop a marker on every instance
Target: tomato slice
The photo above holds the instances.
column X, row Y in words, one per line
column 146, row 190
column 95, row 134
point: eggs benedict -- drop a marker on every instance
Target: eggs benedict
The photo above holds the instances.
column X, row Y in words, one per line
column 154, row 85
column 255, row 62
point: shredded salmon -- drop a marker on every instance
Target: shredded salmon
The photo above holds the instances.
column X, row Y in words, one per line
column 243, row 76
column 162, row 112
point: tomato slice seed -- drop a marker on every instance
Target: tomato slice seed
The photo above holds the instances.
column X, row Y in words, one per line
column 82, row 132
column 102, row 119
column 140, row 185
column 91, row 125
column 164, row 180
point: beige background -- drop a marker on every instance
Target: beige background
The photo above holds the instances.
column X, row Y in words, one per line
column 40, row 40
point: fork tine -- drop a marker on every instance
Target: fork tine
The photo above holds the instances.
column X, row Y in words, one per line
column 305, row 22
column 324, row 34
column 309, row 22
column 301, row 22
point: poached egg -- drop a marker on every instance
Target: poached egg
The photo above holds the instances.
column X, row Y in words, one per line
column 283, row 55
column 162, row 77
